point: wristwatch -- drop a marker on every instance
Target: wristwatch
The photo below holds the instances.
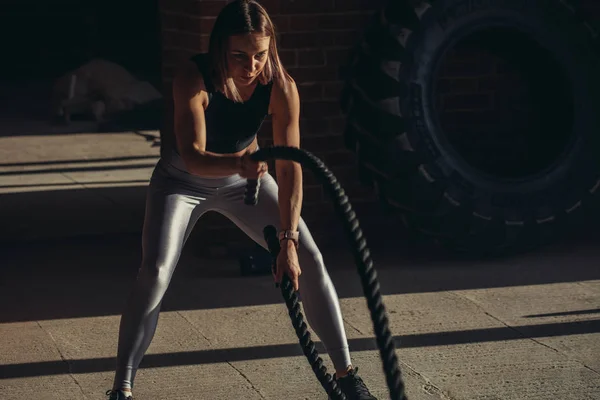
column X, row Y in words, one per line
column 290, row 235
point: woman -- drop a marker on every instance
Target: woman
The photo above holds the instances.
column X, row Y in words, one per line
column 220, row 101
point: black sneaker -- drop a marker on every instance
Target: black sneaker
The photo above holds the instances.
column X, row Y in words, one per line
column 353, row 386
column 117, row 395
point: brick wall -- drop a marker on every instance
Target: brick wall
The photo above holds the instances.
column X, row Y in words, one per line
column 314, row 38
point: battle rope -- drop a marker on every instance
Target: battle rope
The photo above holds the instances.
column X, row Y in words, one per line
column 364, row 264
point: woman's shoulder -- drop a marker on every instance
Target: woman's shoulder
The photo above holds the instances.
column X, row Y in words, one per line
column 284, row 87
column 188, row 78
column 189, row 73
column 284, row 94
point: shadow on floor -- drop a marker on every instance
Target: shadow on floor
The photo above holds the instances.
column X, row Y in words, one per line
column 86, row 366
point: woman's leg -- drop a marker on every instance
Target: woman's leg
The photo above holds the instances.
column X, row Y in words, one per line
column 169, row 218
column 317, row 292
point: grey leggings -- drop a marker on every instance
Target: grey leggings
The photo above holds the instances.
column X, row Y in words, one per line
column 175, row 201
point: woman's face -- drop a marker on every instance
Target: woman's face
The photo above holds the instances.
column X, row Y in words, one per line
column 247, row 57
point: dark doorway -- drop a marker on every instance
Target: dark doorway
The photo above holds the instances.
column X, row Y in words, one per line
column 42, row 41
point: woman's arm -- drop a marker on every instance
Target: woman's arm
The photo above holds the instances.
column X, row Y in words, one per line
column 189, row 99
column 285, row 113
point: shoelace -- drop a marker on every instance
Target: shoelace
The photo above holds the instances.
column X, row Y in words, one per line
column 110, row 392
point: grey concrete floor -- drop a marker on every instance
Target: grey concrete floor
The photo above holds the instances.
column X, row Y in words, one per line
column 527, row 327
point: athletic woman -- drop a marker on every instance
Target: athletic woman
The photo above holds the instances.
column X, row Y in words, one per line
column 220, row 101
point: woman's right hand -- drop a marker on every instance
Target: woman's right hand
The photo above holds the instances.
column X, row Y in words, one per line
column 251, row 169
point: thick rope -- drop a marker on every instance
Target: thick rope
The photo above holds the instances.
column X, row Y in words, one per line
column 364, row 264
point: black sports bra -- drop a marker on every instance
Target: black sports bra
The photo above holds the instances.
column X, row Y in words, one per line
column 231, row 126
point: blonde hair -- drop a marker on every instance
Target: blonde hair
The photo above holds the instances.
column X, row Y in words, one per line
column 237, row 18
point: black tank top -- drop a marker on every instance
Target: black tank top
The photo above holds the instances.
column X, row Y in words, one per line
column 231, row 126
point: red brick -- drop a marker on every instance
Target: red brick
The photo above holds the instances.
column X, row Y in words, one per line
column 200, row 8
column 314, row 74
column 324, row 144
column 169, row 20
column 176, row 5
column 313, row 91
column 288, row 58
column 168, row 71
column 292, row 40
column 210, row 8
column 273, row 7
column 337, row 56
column 312, row 126
column 312, row 195
column 176, row 56
column 332, row 90
column 309, row 179
column 303, row 23
column 345, row 38
column 340, row 158
column 341, row 21
column 324, row 217
column 207, row 25
column 281, row 22
column 318, row 217
column 186, row 23
column 182, row 40
column 305, row 6
column 311, row 57
column 357, row 5
column 337, row 125
column 321, row 109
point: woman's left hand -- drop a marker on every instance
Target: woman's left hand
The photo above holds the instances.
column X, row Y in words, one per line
column 287, row 262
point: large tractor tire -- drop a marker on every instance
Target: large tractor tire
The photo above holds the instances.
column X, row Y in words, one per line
column 473, row 195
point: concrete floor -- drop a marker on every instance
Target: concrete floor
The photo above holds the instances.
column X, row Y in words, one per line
column 523, row 328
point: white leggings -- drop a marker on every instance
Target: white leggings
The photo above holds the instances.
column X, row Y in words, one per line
column 175, row 202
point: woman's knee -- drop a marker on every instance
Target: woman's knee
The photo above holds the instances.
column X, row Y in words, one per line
column 156, row 273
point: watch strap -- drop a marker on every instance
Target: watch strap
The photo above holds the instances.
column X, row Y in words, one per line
column 289, row 235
